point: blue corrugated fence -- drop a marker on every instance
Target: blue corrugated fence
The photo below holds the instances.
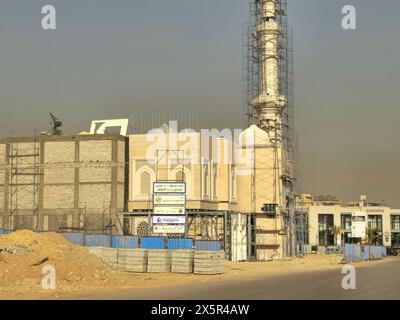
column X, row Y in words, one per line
column 97, row 240
column 358, row 252
column 207, row 245
column 152, row 243
column 126, row 242
column 180, row 244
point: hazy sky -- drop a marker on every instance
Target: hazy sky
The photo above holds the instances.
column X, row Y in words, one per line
column 109, row 59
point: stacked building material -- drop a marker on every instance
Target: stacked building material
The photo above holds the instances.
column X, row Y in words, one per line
column 209, row 262
column 96, row 251
column 159, row 261
column 182, row 261
column 109, row 255
column 132, row 260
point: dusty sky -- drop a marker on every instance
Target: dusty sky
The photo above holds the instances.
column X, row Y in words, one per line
column 109, row 59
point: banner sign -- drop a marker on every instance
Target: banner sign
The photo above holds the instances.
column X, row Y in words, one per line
column 169, row 210
column 358, row 225
column 169, row 219
column 167, row 199
column 169, row 229
column 169, row 187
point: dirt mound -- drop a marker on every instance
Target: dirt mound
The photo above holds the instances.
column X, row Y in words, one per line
column 23, row 254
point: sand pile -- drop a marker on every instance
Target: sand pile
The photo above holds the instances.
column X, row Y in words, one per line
column 23, row 254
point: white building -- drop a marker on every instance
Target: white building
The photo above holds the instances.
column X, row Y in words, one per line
column 324, row 214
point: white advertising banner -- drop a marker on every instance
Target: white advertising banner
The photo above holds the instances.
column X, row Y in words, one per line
column 169, row 210
column 169, row 229
column 169, row 187
column 168, row 199
column 358, row 225
column 169, row 219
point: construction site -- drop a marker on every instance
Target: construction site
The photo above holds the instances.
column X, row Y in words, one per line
column 152, row 201
column 240, row 191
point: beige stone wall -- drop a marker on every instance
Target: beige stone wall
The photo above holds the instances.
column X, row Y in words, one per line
column 268, row 224
column 244, row 203
column 95, row 150
column 25, row 197
column 59, row 175
column 60, row 192
column 95, row 195
column 58, row 197
column 269, row 239
column 95, row 174
column 58, row 152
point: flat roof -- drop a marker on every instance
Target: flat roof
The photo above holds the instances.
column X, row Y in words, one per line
column 67, row 137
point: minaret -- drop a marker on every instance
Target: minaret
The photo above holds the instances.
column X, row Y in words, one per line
column 269, row 97
column 270, row 100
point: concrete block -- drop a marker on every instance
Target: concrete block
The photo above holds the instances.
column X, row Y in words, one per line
column 182, row 261
column 209, row 262
column 159, row 261
column 132, row 260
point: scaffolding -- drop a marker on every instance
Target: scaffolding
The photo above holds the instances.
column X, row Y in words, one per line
column 268, row 78
column 24, row 185
column 24, row 175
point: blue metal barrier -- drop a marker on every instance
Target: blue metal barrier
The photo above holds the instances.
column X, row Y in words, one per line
column 353, row 252
column 366, row 253
column 207, row 245
column 74, row 237
column 370, row 252
column 180, row 244
column 125, row 242
column 152, row 243
column 97, row 240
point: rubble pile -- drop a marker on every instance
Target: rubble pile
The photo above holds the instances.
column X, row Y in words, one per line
column 24, row 254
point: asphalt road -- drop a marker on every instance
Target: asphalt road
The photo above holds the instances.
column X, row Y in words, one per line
column 374, row 281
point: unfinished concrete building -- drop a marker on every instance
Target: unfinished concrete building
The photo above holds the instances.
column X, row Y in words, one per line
column 61, row 182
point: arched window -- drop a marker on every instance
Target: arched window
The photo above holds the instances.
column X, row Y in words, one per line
column 180, row 176
column 145, row 183
column 183, row 176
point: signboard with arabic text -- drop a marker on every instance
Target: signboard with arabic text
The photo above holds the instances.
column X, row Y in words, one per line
column 169, row 187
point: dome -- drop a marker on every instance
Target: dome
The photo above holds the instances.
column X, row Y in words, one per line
column 253, row 135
